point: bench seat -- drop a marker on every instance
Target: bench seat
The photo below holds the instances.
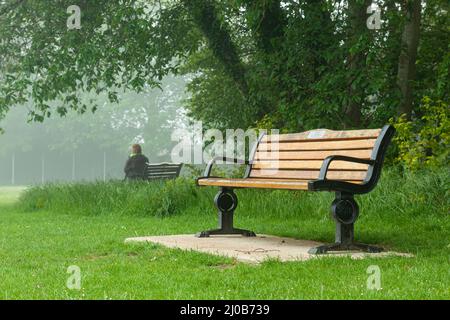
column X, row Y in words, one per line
column 255, row 183
column 288, row 184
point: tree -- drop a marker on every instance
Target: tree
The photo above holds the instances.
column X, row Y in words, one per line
column 356, row 60
column 117, row 47
column 292, row 64
column 407, row 60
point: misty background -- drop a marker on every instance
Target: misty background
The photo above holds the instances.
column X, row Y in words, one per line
column 91, row 146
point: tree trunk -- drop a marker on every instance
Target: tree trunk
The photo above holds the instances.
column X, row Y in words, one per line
column 357, row 18
column 407, row 61
column 219, row 39
column 267, row 21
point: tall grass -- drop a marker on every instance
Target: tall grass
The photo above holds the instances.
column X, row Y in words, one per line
column 156, row 198
column 398, row 194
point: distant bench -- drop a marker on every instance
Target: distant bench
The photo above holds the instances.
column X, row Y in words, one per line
column 345, row 162
column 162, row 171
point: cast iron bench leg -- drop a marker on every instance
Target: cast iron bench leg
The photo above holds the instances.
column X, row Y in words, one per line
column 345, row 211
column 226, row 203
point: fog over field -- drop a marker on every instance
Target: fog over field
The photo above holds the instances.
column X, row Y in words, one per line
column 91, row 146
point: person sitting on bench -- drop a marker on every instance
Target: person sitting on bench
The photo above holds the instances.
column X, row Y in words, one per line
column 136, row 164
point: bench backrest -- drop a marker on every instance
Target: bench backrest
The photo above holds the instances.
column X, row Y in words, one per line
column 163, row 170
column 300, row 155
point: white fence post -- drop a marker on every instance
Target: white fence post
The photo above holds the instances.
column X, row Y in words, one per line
column 43, row 169
column 13, row 168
column 104, row 166
column 73, row 166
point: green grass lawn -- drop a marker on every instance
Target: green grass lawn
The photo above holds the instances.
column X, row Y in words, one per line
column 41, row 236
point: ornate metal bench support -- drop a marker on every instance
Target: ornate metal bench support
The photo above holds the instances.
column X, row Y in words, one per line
column 226, row 202
column 345, row 211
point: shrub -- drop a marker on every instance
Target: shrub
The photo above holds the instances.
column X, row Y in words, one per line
column 425, row 141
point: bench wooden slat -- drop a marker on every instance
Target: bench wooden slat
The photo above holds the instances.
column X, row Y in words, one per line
column 161, row 175
column 324, row 134
column 307, row 164
column 307, row 180
column 254, row 183
column 318, row 145
column 307, row 174
column 162, row 170
column 312, row 155
column 162, row 164
column 162, row 167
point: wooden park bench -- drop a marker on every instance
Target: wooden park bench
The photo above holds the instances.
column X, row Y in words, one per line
column 162, row 171
column 345, row 162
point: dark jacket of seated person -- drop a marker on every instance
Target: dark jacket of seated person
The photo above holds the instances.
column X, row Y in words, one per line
column 136, row 164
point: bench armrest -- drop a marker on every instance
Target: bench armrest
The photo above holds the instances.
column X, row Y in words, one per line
column 211, row 163
column 322, row 183
column 328, row 160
